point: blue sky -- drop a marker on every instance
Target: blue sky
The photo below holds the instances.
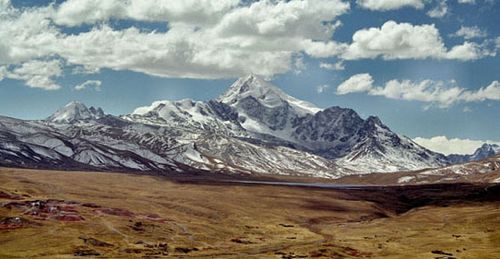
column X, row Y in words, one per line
column 139, row 54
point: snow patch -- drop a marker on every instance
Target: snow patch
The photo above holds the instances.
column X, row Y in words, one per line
column 405, row 179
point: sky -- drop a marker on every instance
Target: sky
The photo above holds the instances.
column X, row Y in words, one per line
column 429, row 69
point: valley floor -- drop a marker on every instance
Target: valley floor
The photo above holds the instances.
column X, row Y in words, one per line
column 54, row 214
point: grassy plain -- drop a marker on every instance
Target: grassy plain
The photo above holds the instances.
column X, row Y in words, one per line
column 55, row 214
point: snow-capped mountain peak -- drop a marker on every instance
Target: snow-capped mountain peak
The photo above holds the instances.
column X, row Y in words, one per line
column 254, row 127
column 486, row 150
column 265, row 93
column 154, row 107
column 75, row 111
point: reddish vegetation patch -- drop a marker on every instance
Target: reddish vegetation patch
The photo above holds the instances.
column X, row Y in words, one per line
column 332, row 251
column 356, row 253
column 69, row 217
column 10, row 223
column 116, row 212
column 10, row 196
column 48, row 209
column 69, row 210
column 90, row 205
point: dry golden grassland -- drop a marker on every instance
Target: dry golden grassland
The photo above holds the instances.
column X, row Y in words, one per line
column 53, row 214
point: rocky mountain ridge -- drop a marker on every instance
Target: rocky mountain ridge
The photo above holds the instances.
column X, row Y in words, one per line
column 484, row 151
column 254, row 127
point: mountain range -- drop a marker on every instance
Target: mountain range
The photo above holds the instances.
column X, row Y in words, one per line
column 252, row 128
column 485, row 151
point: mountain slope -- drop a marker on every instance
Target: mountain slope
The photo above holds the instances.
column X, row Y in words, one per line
column 254, row 128
column 80, row 145
column 333, row 133
column 381, row 150
column 266, row 94
column 485, row 151
column 112, row 143
column 484, row 170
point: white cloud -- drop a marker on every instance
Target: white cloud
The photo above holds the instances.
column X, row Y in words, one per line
column 447, row 146
column 173, row 54
column 406, row 41
column 299, row 64
column 439, row 11
column 355, row 84
column 467, row 51
column 490, row 92
column 470, row 32
column 329, row 66
column 77, row 12
column 437, row 92
column 29, row 32
column 205, row 39
column 85, row 70
column 4, row 4
column 3, row 72
column 294, row 18
column 37, row 73
column 320, row 49
column 467, row 1
column 322, row 88
column 95, row 84
column 384, row 5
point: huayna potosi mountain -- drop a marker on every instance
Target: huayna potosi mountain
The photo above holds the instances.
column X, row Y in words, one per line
column 254, row 127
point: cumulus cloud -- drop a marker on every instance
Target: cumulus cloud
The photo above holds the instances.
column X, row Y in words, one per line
column 77, row 12
column 468, row 51
column 94, row 84
column 470, row 32
column 261, row 38
column 36, row 73
column 355, row 84
column 321, row 49
column 439, row 11
column 435, row 92
column 447, row 146
column 289, row 19
column 85, row 70
column 467, row 1
column 490, row 92
column 384, row 5
column 205, row 39
column 322, row 88
column 3, row 72
column 335, row 66
column 406, row 41
column 29, row 32
column 299, row 64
